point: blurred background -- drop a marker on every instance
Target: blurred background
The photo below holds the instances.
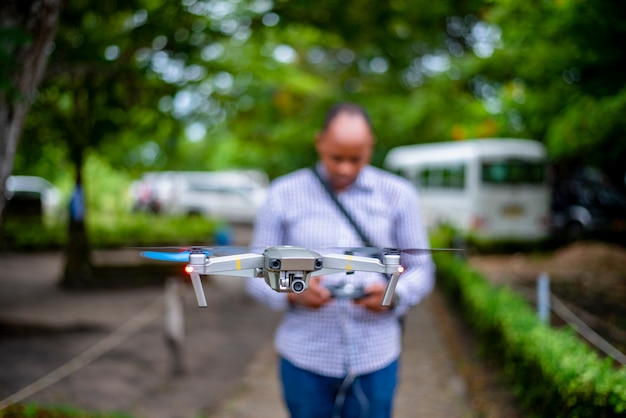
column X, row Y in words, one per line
column 129, row 90
column 161, row 122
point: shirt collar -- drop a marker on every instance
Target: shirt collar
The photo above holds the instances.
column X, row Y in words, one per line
column 363, row 183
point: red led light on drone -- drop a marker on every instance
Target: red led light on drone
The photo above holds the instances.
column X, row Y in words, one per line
column 401, row 269
column 188, row 269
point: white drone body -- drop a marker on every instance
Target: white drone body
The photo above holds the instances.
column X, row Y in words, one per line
column 288, row 269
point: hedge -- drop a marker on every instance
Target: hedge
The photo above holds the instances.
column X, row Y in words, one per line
column 553, row 372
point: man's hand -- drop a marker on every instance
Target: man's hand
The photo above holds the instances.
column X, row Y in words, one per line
column 315, row 296
column 374, row 299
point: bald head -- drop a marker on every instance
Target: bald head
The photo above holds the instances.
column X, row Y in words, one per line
column 345, row 145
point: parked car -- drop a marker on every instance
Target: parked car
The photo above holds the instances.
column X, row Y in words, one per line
column 586, row 205
column 151, row 191
column 230, row 195
column 31, row 196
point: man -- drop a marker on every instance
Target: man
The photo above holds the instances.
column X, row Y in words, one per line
column 339, row 357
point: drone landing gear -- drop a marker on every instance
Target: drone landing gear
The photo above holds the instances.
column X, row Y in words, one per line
column 196, row 282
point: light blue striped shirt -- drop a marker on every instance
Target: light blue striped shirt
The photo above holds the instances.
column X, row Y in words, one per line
column 340, row 337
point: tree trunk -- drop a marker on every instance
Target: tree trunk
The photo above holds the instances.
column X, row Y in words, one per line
column 78, row 272
column 28, row 31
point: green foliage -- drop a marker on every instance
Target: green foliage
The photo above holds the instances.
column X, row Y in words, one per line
column 11, row 38
column 28, row 234
column 141, row 229
column 397, row 32
column 562, row 57
column 554, row 373
column 127, row 81
column 105, row 231
column 39, row 411
column 577, row 131
column 108, row 190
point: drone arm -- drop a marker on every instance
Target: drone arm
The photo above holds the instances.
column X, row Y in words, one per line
column 244, row 265
column 237, row 273
column 335, row 263
column 340, row 262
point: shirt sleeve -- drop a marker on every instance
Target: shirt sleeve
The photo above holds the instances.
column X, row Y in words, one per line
column 418, row 279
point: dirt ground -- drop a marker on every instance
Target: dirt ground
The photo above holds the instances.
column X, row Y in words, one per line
column 589, row 276
column 590, row 262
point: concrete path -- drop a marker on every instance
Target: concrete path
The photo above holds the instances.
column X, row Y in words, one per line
column 429, row 388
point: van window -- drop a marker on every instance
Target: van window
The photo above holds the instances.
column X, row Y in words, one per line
column 443, row 177
column 513, row 172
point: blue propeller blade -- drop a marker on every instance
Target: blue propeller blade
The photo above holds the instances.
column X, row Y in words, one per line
column 180, row 257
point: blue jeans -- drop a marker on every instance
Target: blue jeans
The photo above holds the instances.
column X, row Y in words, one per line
column 309, row 395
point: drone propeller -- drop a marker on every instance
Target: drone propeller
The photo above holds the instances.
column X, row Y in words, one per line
column 181, row 254
column 176, row 257
column 377, row 252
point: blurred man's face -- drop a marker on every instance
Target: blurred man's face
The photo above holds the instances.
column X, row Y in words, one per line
column 344, row 148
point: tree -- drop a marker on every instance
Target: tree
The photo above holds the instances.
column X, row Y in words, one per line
column 556, row 78
column 121, row 72
column 208, row 84
column 380, row 54
column 27, row 28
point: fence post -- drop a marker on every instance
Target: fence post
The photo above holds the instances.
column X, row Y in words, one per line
column 174, row 324
column 543, row 297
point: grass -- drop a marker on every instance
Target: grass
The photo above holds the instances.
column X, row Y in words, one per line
column 37, row 411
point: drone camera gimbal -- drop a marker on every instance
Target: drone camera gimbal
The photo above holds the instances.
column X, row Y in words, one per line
column 288, row 269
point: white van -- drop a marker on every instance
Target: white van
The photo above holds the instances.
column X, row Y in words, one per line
column 229, row 195
column 495, row 188
column 32, row 195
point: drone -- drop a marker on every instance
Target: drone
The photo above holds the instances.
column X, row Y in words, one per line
column 285, row 268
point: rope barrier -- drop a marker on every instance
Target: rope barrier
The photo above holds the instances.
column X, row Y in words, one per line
column 132, row 326
column 569, row 317
column 583, row 329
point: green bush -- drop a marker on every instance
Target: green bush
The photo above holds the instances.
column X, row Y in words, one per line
column 553, row 372
column 144, row 229
column 108, row 231
column 29, row 234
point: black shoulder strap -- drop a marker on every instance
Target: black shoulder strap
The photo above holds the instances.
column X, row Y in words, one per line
column 333, row 197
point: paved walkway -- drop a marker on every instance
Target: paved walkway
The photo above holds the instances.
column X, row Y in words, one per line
column 429, row 388
column 106, row 349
